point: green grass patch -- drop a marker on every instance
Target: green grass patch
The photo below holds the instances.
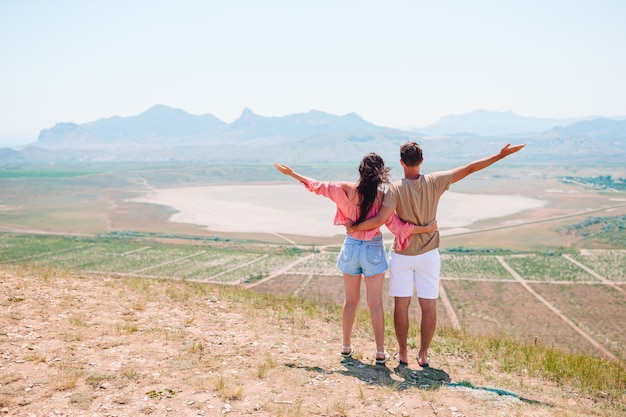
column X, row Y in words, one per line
column 608, row 229
column 585, row 374
column 39, row 173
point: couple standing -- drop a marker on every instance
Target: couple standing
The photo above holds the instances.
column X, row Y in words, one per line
column 409, row 210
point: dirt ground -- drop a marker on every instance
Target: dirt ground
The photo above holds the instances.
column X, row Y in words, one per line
column 82, row 345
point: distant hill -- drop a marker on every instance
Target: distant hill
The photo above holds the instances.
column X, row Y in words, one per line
column 490, row 123
column 11, row 155
column 594, row 141
column 162, row 133
column 157, row 126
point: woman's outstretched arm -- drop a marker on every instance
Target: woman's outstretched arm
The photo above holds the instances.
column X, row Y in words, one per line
column 286, row 170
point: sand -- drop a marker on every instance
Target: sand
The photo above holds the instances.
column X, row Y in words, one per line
column 289, row 208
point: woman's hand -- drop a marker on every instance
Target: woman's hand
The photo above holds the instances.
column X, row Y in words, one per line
column 286, row 170
column 283, row 169
column 350, row 226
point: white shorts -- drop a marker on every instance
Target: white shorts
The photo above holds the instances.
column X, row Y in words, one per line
column 415, row 272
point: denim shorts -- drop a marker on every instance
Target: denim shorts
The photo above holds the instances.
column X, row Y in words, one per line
column 365, row 257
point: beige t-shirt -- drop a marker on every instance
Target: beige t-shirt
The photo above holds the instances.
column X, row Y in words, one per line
column 416, row 201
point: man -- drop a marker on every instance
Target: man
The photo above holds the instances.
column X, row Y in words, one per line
column 415, row 199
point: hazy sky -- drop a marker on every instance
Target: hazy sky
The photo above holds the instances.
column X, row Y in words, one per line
column 395, row 63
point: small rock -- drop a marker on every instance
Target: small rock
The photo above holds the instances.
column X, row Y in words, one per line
column 5, row 410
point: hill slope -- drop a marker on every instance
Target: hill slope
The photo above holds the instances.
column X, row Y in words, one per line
column 80, row 344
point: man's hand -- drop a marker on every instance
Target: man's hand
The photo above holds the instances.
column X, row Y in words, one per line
column 508, row 149
column 461, row 172
column 431, row 227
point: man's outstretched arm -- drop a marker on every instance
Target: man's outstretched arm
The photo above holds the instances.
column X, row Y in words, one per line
column 459, row 173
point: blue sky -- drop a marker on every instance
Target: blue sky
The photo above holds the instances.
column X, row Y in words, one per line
column 395, row 63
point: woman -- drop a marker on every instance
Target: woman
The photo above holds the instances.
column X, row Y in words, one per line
column 362, row 252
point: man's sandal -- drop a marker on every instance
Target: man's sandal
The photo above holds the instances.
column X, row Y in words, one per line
column 347, row 351
column 384, row 359
column 396, row 356
column 423, row 365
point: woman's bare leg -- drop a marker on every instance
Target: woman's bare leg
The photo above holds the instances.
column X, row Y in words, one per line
column 374, row 285
column 352, row 285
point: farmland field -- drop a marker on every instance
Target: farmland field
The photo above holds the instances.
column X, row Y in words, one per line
column 477, row 266
column 597, row 309
column 145, row 258
column 482, row 293
column 503, row 308
column 548, row 268
column 611, row 264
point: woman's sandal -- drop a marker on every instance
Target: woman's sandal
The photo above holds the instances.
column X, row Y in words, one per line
column 347, row 351
column 384, row 359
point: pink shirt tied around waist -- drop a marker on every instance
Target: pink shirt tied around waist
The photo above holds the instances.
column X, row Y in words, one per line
column 346, row 210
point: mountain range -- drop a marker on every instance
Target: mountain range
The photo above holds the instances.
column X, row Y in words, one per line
column 489, row 123
column 162, row 133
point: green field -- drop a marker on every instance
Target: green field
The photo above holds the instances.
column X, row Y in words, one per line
column 472, row 266
column 482, row 293
column 610, row 264
column 548, row 268
column 147, row 256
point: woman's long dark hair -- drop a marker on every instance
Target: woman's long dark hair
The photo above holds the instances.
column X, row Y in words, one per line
column 372, row 173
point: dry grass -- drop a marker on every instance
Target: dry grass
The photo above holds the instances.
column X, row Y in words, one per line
column 77, row 344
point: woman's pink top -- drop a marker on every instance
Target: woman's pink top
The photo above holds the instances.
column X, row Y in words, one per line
column 347, row 210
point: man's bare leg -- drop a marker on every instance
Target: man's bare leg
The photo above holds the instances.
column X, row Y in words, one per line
column 427, row 328
column 401, row 324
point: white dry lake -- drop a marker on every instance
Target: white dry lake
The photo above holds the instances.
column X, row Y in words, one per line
column 290, row 208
